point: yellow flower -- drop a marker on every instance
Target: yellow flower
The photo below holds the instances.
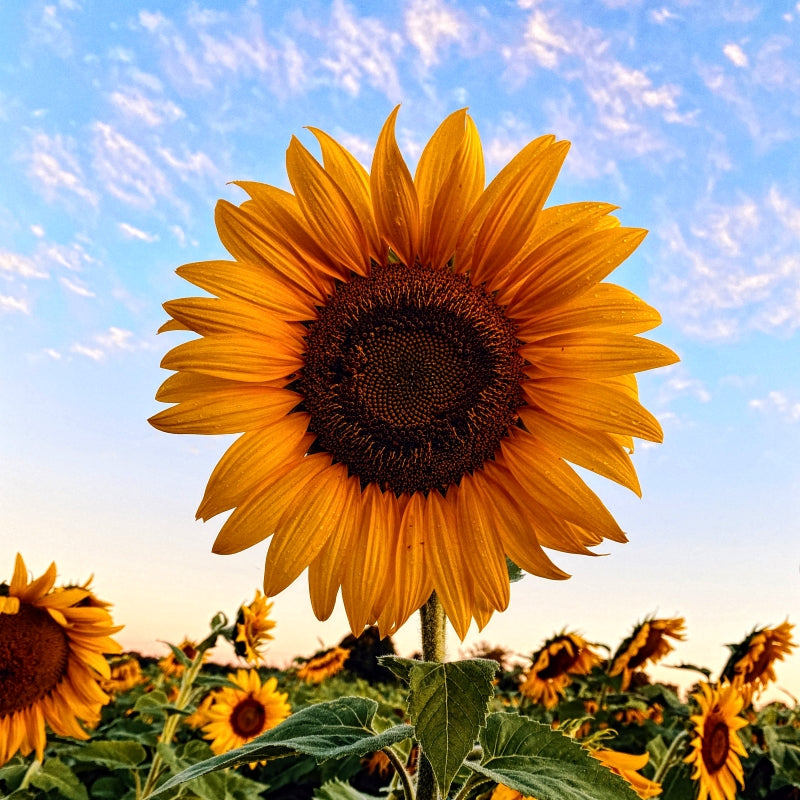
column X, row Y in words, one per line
column 552, row 665
column 411, row 361
column 171, row 666
column 323, row 665
column 253, row 627
column 628, row 766
column 126, row 672
column 238, row 715
column 647, row 644
column 716, row 746
column 51, row 652
column 751, row 666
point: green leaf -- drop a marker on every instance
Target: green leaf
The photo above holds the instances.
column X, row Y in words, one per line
column 784, row 751
column 335, row 729
column 514, row 572
column 55, row 774
column 535, row 760
column 339, row 790
column 400, row 666
column 448, row 704
column 110, row 753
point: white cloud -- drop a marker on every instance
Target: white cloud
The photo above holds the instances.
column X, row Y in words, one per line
column 95, row 353
column 736, row 55
column 55, row 170
column 192, row 163
column 680, row 384
column 430, row 25
column 777, row 402
column 135, row 105
column 37, row 231
column 125, row 168
column 22, row 266
column 129, row 232
column 114, row 339
column 76, row 287
column 9, row 304
column 54, row 354
column 661, row 15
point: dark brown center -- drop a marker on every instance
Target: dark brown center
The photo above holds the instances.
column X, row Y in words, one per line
column 715, row 744
column 248, row 718
column 648, row 649
column 560, row 661
column 411, row 377
column 34, row 653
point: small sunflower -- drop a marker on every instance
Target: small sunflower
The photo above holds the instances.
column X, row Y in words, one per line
column 378, row 764
column 411, row 362
column 323, row 665
column 628, row 767
column 126, row 672
column 751, row 666
column 51, row 661
column 553, row 665
column 716, row 746
column 647, row 644
column 171, row 667
column 253, row 627
column 238, row 715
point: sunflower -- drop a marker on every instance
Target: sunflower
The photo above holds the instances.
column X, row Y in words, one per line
column 238, row 715
column 647, row 644
column 171, row 666
column 253, row 627
column 751, row 666
column 716, row 746
column 552, row 665
column 51, row 661
column 410, row 362
column 126, row 672
column 323, row 665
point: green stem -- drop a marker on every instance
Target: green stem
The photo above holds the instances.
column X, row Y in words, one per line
column 669, row 757
column 402, row 773
column 433, row 620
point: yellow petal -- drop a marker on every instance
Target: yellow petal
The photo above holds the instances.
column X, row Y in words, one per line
column 593, row 404
column 330, row 215
column 237, row 357
column 242, row 408
column 596, row 355
column 191, row 385
column 258, row 517
column 172, row 325
column 251, row 459
column 255, row 283
column 353, row 180
column 304, row 528
column 394, row 197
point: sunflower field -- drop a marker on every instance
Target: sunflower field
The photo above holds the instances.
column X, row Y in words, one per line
column 571, row 719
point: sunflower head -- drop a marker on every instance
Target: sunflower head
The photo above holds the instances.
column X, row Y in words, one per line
column 552, row 665
column 323, row 665
column 716, row 746
column 252, row 629
column 411, row 361
column 648, row 643
column 52, row 650
column 126, row 672
column 751, row 666
column 237, row 715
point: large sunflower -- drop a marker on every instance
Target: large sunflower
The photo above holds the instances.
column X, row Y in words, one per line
column 751, row 666
column 51, row 661
column 716, row 746
column 647, row 644
column 553, row 665
column 411, row 361
column 235, row 716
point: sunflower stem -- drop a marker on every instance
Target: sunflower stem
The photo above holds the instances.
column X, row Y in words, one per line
column 669, row 757
column 400, row 772
column 433, row 620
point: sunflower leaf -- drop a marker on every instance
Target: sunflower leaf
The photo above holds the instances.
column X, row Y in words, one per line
column 533, row 759
column 116, row 754
column 55, row 774
column 339, row 790
column 448, row 704
column 401, row 667
column 335, row 729
column 515, row 573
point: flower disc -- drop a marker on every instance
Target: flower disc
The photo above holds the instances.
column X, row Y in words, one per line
column 411, row 378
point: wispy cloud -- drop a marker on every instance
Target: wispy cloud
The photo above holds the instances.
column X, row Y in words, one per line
column 130, row 232
column 736, row 55
column 431, row 26
column 777, row 402
column 76, row 287
column 103, row 344
column 54, row 168
column 21, row 266
column 11, row 304
column 135, row 105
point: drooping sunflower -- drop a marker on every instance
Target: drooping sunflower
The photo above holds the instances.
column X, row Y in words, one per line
column 411, row 362
column 647, row 644
column 323, row 665
column 553, row 665
column 253, row 627
column 51, row 661
column 238, row 715
column 716, row 745
column 751, row 666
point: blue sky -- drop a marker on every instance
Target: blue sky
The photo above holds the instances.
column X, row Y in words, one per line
column 121, row 124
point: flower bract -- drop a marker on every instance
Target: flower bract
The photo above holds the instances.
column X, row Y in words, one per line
column 411, row 362
column 51, row 651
